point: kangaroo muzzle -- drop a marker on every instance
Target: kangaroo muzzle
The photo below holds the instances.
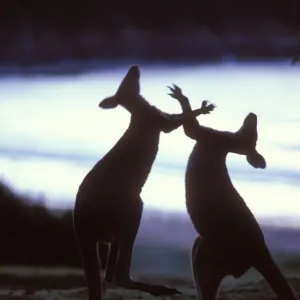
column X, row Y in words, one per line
column 128, row 89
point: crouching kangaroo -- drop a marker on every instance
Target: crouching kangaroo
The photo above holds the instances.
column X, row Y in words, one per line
column 231, row 240
column 108, row 206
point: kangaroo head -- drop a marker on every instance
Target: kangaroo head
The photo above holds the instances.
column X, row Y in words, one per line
column 247, row 142
column 128, row 92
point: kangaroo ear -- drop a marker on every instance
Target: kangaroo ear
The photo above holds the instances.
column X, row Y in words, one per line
column 256, row 160
column 109, row 102
column 130, row 85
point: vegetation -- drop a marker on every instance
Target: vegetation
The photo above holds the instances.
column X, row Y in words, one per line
column 39, row 31
column 30, row 234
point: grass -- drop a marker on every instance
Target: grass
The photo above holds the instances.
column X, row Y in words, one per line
column 36, row 278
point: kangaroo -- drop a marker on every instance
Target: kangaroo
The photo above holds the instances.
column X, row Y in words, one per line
column 108, row 206
column 230, row 239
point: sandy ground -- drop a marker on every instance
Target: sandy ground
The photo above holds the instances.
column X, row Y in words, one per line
column 250, row 291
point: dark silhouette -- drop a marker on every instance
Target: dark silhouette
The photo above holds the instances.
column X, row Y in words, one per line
column 231, row 240
column 108, row 206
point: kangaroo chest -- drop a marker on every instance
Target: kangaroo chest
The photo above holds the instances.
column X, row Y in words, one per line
column 207, row 177
column 127, row 166
column 214, row 205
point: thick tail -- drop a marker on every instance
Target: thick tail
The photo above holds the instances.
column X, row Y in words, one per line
column 273, row 275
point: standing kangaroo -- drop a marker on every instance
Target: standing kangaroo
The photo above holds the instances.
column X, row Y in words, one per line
column 231, row 240
column 108, row 206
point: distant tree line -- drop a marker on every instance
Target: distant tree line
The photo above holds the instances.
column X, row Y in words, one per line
column 113, row 15
column 34, row 30
column 31, row 234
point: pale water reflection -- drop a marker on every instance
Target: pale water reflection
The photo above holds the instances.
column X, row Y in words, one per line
column 52, row 131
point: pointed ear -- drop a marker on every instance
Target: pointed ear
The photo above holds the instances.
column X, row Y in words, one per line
column 109, row 102
column 256, row 160
column 130, row 85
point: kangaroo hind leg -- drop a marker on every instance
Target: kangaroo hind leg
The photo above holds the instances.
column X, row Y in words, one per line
column 103, row 252
column 126, row 238
column 112, row 251
column 206, row 271
column 91, row 265
column 267, row 267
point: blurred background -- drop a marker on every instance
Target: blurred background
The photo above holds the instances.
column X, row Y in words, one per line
column 59, row 59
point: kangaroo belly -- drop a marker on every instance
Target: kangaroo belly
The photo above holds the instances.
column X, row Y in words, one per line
column 125, row 168
column 218, row 211
column 123, row 173
column 206, row 218
column 107, row 216
column 225, row 225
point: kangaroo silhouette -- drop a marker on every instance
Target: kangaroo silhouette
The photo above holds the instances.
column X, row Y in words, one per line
column 108, row 206
column 230, row 240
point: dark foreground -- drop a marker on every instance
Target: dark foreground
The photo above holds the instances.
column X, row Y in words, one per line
column 31, row 235
column 37, row 283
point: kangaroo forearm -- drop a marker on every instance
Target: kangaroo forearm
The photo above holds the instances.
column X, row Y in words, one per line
column 176, row 120
column 191, row 113
column 190, row 123
column 191, row 128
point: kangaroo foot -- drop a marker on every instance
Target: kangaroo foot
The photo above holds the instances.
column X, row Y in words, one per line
column 155, row 290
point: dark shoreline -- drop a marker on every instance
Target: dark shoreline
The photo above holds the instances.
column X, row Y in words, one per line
column 78, row 67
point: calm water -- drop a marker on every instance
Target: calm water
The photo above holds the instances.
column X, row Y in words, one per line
column 52, row 131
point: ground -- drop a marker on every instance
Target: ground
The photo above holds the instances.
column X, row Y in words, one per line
column 63, row 284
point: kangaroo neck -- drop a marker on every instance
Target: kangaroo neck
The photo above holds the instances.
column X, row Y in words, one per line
column 139, row 150
column 142, row 124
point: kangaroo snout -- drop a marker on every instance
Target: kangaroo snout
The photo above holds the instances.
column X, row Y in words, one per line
column 134, row 71
column 251, row 120
column 130, row 85
column 127, row 92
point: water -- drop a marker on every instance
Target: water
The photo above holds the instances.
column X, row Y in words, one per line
column 52, row 131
